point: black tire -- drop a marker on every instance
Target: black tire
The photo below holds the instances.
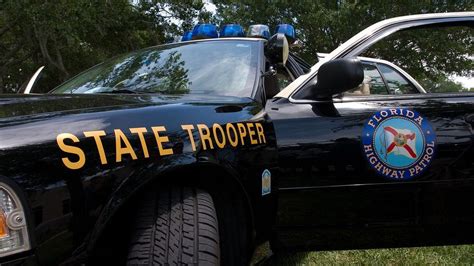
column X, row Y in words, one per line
column 175, row 226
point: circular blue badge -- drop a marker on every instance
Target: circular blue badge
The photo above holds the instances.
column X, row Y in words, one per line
column 398, row 143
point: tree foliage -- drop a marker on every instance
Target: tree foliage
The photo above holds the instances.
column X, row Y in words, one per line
column 70, row 36
column 433, row 56
column 429, row 55
column 323, row 25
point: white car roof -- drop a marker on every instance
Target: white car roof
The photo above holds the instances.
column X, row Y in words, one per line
column 360, row 37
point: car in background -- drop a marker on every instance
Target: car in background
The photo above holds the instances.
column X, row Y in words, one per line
column 382, row 77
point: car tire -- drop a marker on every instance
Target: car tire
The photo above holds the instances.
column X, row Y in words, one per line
column 175, row 226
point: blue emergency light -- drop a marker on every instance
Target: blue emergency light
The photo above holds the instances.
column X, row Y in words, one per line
column 187, row 36
column 204, row 31
column 288, row 30
column 231, row 30
column 259, row 31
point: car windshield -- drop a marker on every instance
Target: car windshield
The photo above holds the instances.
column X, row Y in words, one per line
column 224, row 67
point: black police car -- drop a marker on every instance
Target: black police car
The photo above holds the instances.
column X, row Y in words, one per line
column 195, row 152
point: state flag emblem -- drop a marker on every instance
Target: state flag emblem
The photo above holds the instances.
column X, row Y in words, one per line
column 400, row 141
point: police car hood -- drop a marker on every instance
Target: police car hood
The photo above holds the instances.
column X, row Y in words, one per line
column 13, row 105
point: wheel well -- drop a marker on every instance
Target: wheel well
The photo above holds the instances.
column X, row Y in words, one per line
column 217, row 181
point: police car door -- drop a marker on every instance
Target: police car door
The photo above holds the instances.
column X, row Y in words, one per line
column 384, row 164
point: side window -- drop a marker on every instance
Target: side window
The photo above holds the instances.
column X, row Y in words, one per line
column 439, row 58
column 397, row 84
column 372, row 84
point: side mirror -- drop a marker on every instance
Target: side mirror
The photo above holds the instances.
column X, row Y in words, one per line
column 277, row 49
column 334, row 77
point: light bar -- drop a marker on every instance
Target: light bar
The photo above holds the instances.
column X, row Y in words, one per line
column 187, row 36
column 231, row 30
column 204, row 31
column 259, row 31
column 13, row 228
column 288, row 30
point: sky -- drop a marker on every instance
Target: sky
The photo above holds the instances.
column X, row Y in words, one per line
column 209, row 6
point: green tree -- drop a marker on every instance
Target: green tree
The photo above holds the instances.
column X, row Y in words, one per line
column 70, row 36
column 323, row 25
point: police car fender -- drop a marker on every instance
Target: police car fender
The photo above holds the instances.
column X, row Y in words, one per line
column 221, row 136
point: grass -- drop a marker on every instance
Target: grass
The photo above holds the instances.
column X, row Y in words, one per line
column 443, row 255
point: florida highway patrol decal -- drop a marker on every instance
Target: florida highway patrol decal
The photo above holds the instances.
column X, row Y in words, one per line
column 398, row 143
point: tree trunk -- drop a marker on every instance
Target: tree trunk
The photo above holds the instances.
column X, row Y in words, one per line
column 2, row 88
column 43, row 39
column 60, row 63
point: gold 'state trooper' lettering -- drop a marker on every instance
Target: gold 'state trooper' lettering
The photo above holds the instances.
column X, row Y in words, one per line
column 71, row 149
column 215, row 137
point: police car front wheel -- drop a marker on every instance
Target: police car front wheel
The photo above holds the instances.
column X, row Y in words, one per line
column 175, row 226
